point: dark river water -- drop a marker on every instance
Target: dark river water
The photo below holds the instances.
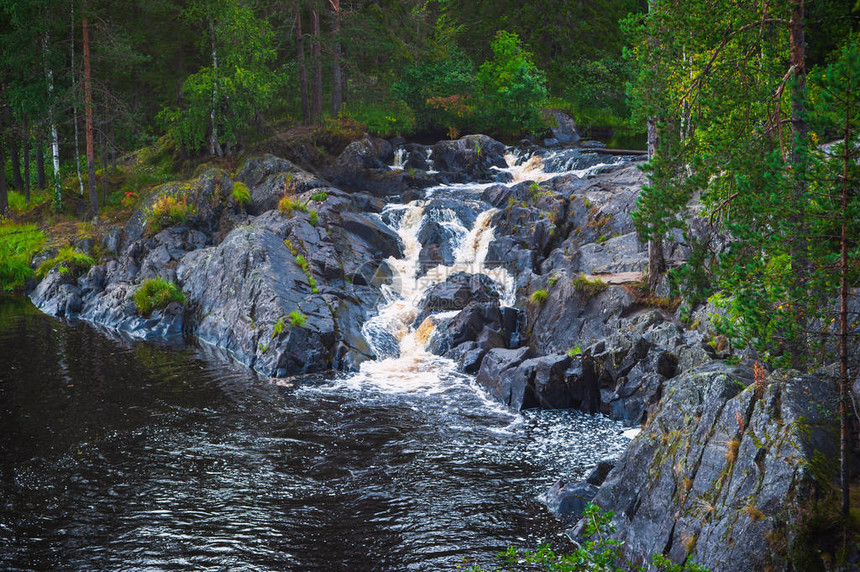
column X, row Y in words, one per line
column 118, row 455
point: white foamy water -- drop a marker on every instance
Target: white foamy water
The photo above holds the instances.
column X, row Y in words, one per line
column 403, row 363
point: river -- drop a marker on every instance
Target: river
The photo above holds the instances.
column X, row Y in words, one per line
column 122, row 455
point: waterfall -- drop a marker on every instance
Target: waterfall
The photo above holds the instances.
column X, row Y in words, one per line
column 402, row 360
column 400, row 157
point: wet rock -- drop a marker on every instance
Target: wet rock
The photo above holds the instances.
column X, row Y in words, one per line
column 498, row 375
column 563, row 126
column 457, row 292
column 597, row 475
column 268, row 178
column 244, row 291
column 567, row 501
column 364, row 165
column 57, row 295
column 474, row 155
column 726, row 468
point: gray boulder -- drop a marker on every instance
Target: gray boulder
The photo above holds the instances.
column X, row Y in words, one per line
column 727, row 473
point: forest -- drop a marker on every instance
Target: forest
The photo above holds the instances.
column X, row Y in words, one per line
column 748, row 211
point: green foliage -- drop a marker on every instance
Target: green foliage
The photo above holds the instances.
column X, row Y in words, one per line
column 539, row 296
column 68, row 260
column 19, row 205
column 383, row 119
column 18, row 244
column 239, row 81
column 436, row 88
column 725, row 143
column 314, row 217
column 598, row 552
column 241, row 194
column 511, row 89
column 595, row 90
column 297, row 319
column 156, row 293
column 575, row 351
column 319, row 197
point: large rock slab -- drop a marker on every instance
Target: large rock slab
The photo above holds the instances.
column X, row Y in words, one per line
column 728, row 471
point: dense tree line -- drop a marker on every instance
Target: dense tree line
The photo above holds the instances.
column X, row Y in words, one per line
column 218, row 74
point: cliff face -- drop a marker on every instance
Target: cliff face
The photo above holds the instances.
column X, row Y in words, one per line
column 730, row 470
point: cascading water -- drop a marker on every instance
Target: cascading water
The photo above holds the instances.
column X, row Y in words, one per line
column 400, row 157
column 402, row 360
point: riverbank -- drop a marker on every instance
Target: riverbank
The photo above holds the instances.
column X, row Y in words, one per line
column 519, row 265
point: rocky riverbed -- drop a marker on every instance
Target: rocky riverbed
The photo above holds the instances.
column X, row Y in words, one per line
column 519, row 265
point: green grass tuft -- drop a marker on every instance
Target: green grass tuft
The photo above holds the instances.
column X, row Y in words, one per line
column 287, row 205
column 279, row 327
column 68, row 260
column 298, row 319
column 539, row 296
column 156, row 293
column 591, row 287
column 241, row 194
column 18, row 244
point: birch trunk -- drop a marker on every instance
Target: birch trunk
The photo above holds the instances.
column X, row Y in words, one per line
column 55, row 139
column 214, row 145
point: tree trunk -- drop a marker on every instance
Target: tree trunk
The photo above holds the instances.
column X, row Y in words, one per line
column 656, row 264
column 56, row 188
column 214, row 145
column 316, row 114
column 336, row 75
column 88, row 105
column 4, row 197
column 75, row 105
column 844, row 385
column 303, row 72
column 798, row 160
column 40, row 164
column 26, row 159
column 15, row 158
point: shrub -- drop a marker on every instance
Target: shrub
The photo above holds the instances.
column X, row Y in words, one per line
column 241, row 194
column 167, row 210
column 589, row 286
column 18, row 244
column 383, row 119
column 319, row 197
column 68, row 260
column 539, row 296
column 597, row 552
column 156, row 293
column 574, row 351
column 314, row 218
column 287, row 205
column 297, row 319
